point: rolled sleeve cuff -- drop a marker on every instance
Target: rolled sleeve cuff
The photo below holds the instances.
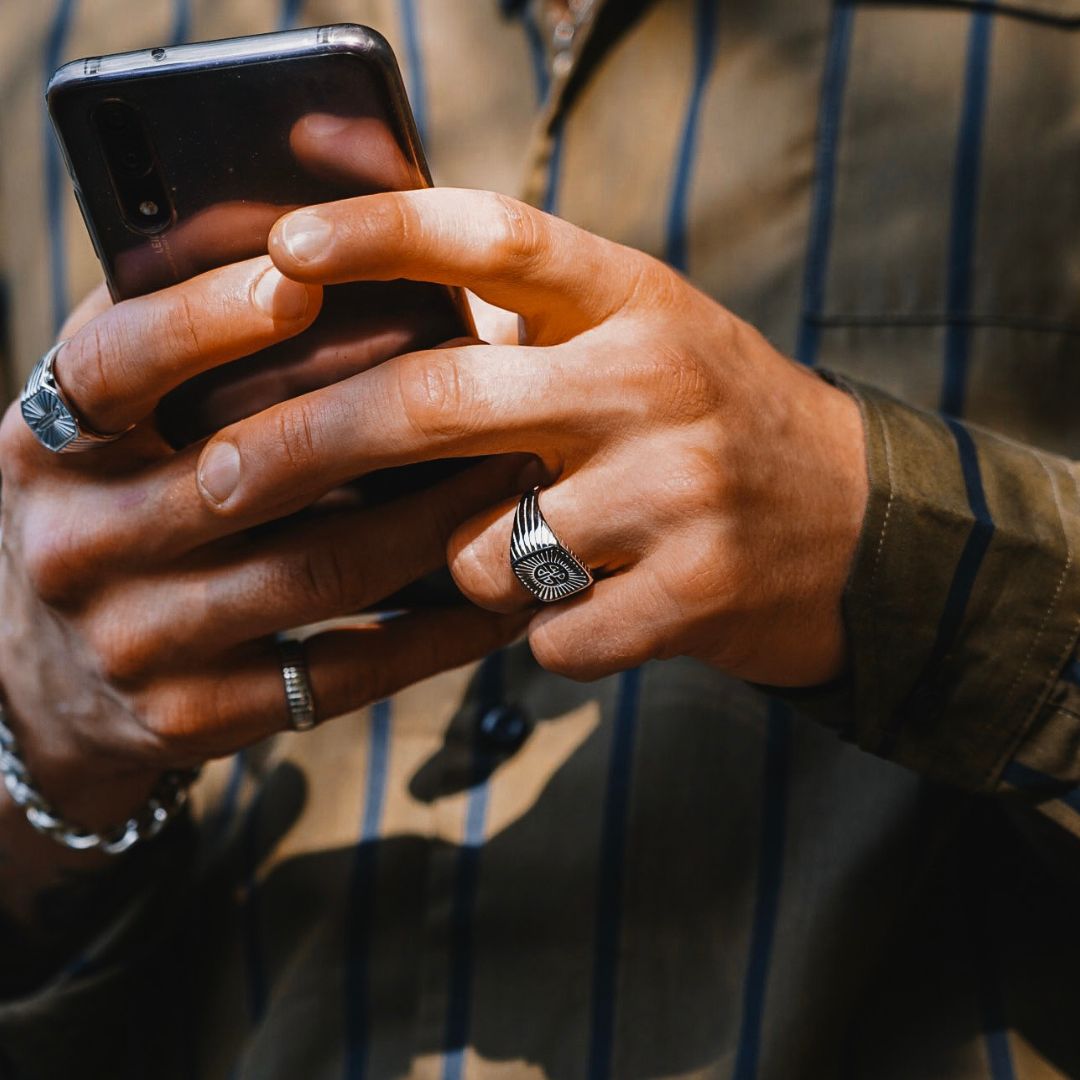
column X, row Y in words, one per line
column 962, row 606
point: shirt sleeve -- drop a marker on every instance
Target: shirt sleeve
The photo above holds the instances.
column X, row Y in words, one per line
column 963, row 608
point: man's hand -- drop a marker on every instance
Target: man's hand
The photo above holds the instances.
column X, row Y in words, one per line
column 717, row 487
column 138, row 622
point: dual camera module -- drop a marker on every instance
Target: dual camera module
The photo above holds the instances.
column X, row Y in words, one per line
column 133, row 166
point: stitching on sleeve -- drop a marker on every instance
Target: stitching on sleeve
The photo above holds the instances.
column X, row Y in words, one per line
column 1010, row 751
column 875, row 637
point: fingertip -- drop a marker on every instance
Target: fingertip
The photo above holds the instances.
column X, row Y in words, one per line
column 299, row 242
column 285, row 300
column 218, row 472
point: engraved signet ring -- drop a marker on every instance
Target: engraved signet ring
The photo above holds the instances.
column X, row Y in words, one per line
column 49, row 414
column 544, row 565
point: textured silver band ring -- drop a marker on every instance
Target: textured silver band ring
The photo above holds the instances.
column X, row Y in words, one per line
column 544, row 565
column 49, row 415
column 299, row 698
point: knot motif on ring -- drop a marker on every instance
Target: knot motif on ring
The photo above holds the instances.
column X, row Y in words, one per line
column 541, row 562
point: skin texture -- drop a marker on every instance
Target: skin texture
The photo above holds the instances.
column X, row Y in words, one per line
column 717, row 488
column 137, row 622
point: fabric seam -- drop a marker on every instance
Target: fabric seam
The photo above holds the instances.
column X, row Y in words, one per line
column 1045, row 685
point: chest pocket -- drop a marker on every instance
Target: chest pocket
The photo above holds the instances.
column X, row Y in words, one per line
column 954, row 267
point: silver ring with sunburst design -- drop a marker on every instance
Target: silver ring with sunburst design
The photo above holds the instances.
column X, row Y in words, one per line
column 51, row 417
column 541, row 562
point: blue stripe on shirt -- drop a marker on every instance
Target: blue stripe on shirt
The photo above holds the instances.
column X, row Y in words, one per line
column 774, row 786
column 181, row 24
column 953, row 398
column 55, row 43
column 360, row 899
column 705, row 20
column 554, row 174
column 490, row 692
column 991, row 998
column 609, row 893
column 923, row 695
column 289, row 15
column 1039, row 783
column 964, row 206
column 830, row 112
column 251, row 916
column 417, row 82
column 538, row 55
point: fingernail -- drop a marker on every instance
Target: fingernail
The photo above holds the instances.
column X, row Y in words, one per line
column 275, row 295
column 324, row 124
column 305, row 236
column 219, row 471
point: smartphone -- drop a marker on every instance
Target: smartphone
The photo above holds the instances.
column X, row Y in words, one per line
column 182, row 158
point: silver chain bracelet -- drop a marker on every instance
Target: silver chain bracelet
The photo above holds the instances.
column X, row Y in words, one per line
column 165, row 802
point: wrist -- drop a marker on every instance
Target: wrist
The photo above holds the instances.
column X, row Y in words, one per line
column 95, row 792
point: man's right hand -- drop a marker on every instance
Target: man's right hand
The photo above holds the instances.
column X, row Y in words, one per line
column 137, row 629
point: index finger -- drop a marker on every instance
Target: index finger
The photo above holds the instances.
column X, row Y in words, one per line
column 116, row 367
column 454, row 402
column 561, row 278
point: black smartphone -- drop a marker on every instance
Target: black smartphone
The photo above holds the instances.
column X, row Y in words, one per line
column 182, row 158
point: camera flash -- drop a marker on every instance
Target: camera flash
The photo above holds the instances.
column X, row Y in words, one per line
column 148, row 208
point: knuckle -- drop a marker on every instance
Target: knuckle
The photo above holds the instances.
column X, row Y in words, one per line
column 170, row 718
column 295, row 431
column 17, row 451
column 180, row 326
column 694, row 484
column 91, row 367
column 52, row 565
column 473, row 571
column 397, row 218
column 554, row 653
column 80, row 367
column 520, row 236
column 435, row 394
column 669, row 376
column 653, row 283
column 123, row 654
column 328, row 580
column 705, row 571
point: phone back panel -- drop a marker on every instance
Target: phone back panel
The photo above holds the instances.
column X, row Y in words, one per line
column 241, row 132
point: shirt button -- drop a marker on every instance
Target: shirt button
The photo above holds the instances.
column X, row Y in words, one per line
column 504, row 728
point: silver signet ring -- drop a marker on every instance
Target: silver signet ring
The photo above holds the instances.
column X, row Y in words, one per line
column 49, row 415
column 544, row 565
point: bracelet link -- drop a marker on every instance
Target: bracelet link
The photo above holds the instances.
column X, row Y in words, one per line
column 165, row 802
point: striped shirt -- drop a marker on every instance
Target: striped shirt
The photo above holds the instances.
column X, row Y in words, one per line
column 669, row 873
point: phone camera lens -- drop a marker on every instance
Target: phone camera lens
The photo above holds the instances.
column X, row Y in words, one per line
column 115, row 116
column 129, row 156
column 135, row 160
